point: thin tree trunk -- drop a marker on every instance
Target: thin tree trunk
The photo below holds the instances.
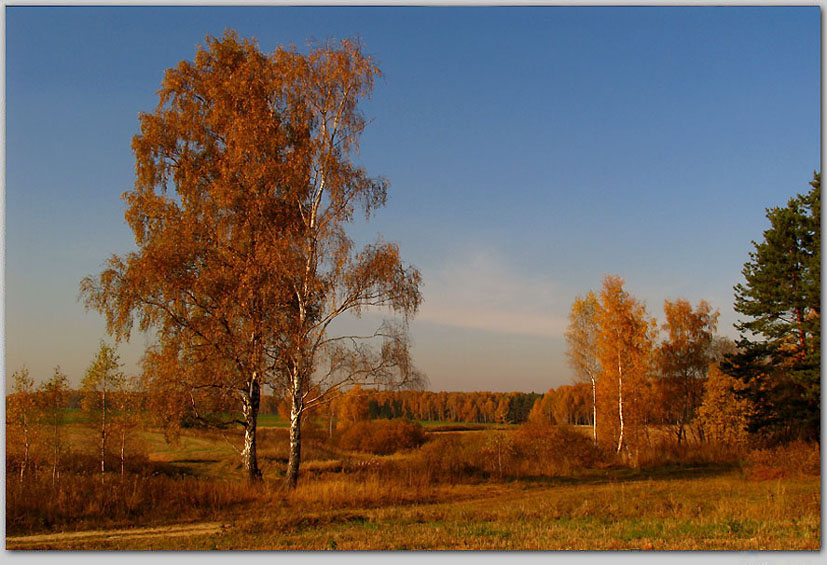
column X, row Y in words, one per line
column 123, row 449
column 56, row 459
column 103, row 433
column 802, row 335
column 684, row 419
column 25, row 451
column 799, row 316
column 294, row 461
column 594, row 411
column 330, row 424
column 620, row 402
column 251, row 400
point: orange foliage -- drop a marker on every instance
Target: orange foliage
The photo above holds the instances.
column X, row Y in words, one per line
column 382, row 437
column 625, row 348
column 582, row 337
column 794, row 459
column 567, row 404
column 244, row 186
column 546, row 449
column 724, row 414
column 683, row 359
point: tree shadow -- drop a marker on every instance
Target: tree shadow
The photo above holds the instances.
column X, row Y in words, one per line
column 614, row 475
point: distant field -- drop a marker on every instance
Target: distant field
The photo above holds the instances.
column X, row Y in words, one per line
column 272, row 421
column 73, row 416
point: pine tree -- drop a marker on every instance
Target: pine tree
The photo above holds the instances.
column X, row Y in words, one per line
column 781, row 339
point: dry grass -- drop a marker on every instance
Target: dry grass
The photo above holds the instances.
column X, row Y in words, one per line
column 709, row 513
column 795, row 459
column 451, row 493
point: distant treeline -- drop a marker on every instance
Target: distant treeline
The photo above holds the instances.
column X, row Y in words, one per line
column 475, row 407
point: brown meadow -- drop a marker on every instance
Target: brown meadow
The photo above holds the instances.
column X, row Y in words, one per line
column 548, row 489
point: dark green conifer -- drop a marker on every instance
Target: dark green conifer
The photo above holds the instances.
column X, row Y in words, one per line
column 780, row 346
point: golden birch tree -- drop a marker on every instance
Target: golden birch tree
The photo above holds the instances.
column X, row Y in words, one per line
column 100, row 386
column 625, row 346
column 127, row 416
column 244, row 188
column 53, row 396
column 22, row 419
column 582, row 346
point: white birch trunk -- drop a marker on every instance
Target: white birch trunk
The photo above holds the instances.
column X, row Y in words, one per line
column 294, row 461
column 103, row 432
column 25, row 451
column 56, row 459
column 251, row 399
column 620, row 402
column 594, row 411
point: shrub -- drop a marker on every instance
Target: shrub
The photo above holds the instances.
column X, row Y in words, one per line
column 794, row 459
column 382, row 437
column 666, row 450
column 545, row 449
column 450, row 458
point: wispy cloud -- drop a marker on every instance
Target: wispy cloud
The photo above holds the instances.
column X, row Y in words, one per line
column 481, row 290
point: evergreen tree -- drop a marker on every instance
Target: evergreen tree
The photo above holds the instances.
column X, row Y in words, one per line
column 780, row 346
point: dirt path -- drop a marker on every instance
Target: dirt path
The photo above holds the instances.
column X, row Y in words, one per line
column 41, row 541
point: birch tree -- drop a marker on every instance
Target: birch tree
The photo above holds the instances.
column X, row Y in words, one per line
column 100, row 385
column 582, row 346
column 53, row 395
column 21, row 418
column 244, row 187
column 625, row 353
column 126, row 416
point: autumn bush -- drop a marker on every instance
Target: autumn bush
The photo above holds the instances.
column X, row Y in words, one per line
column 533, row 450
column 382, row 437
column 454, row 458
column 550, row 450
column 666, row 450
column 795, row 459
column 446, row 458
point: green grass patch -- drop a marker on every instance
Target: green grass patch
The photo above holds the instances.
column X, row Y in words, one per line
column 272, row 421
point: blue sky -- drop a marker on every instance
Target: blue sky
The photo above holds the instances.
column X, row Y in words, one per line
column 529, row 150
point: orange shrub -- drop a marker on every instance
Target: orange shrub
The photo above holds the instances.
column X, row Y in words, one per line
column 382, row 437
column 794, row 459
column 447, row 458
column 545, row 449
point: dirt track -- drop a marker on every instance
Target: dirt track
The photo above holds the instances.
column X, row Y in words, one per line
column 43, row 541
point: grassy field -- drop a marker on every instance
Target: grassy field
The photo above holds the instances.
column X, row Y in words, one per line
column 349, row 501
column 719, row 512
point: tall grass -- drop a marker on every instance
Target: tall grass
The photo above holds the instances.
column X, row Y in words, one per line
column 144, row 494
column 154, row 492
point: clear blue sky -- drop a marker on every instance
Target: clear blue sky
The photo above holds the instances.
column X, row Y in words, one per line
column 529, row 152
